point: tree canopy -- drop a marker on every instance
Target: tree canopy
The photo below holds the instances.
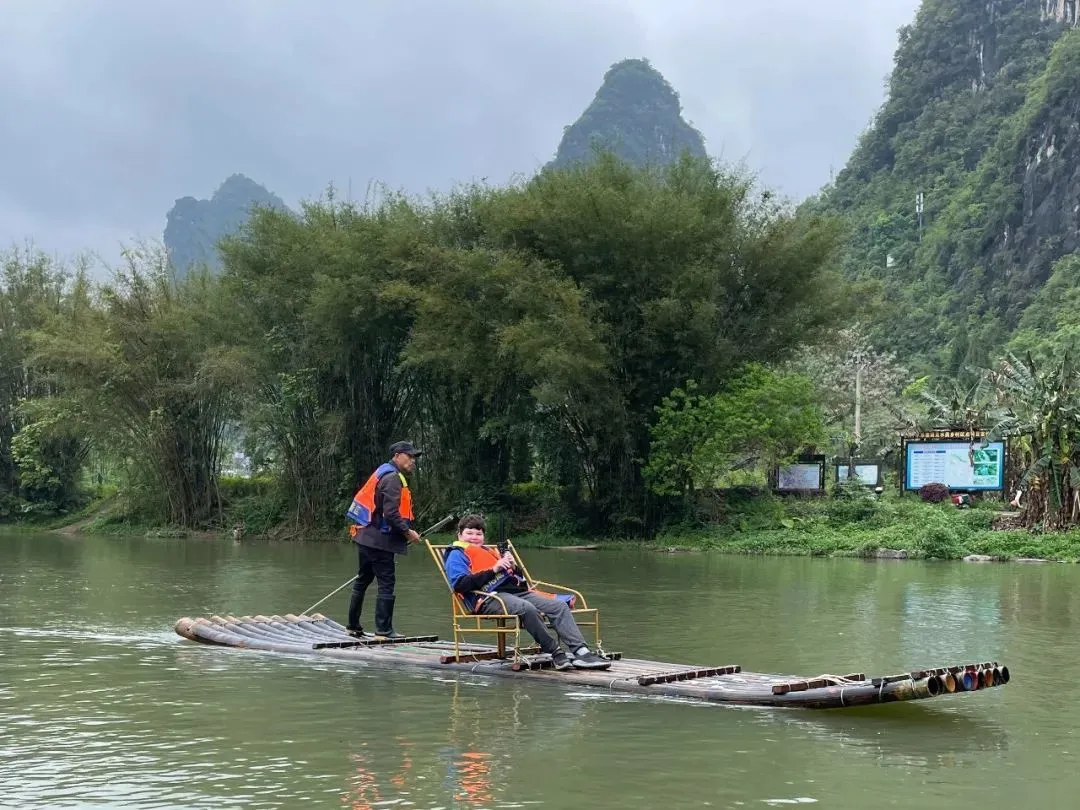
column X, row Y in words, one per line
column 523, row 335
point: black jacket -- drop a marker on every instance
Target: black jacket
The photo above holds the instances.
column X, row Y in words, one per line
column 387, row 504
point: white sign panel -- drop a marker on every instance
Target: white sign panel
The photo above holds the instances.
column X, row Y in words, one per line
column 799, row 476
column 958, row 465
column 865, row 474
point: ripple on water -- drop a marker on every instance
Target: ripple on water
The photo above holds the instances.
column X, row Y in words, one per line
column 118, row 711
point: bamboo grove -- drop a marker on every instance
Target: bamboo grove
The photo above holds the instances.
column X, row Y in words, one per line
column 531, row 338
column 523, row 335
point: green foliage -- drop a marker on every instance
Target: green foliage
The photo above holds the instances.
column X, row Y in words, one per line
column 1050, row 326
column 938, row 536
column 959, row 406
column 49, row 450
column 760, row 418
column 688, row 276
column 866, row 527
column 852, row 502
column 255, row 506
column 40, row 451
column 978, row 92
column 522, row 333
column 845, row 367
column 316, row 308
column 150, row 366
column 535, row 506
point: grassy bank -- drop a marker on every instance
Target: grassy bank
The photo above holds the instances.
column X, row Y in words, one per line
column 49, row 521
column 851, row 526
column 855, row 527
column 251, row 506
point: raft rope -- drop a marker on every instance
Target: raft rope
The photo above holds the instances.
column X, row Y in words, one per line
column 840, row 679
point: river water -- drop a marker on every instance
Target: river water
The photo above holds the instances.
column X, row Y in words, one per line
column 102, row 705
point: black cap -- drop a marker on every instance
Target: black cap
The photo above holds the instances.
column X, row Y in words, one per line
column 404, row 447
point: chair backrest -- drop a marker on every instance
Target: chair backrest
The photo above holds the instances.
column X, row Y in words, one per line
column 438, row 554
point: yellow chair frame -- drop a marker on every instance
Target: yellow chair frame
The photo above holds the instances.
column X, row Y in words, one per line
column 505, row 623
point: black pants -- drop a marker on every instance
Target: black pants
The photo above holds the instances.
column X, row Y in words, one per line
column 373, row 563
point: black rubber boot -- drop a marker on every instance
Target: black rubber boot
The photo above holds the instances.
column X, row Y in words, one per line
column 384, row 618
column 356, row 604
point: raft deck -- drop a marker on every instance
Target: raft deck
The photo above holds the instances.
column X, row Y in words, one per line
column 319, row 636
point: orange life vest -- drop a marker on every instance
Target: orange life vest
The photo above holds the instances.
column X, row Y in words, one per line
column 363, row 503
column 483, row 557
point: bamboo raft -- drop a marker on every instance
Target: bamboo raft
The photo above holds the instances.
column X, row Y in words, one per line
column 316, row 635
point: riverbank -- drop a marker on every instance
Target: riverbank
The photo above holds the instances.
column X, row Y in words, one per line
column 890, row 527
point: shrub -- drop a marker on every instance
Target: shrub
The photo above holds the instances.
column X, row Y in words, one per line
column 933, row 492
column 234, row 487
column 938, row 539
column 853, row 507
column 255, row 504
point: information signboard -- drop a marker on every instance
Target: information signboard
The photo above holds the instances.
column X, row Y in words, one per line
column 866, row 473
column 958, row 465
column 804, row 476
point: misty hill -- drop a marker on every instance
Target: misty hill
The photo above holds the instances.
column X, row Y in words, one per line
column 982, row 120
column 636, row 114
column 193, row 227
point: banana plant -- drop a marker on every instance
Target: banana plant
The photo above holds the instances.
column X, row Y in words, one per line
column 963, row 407
column 1041, row 417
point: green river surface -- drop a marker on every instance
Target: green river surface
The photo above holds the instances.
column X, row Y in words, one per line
column 103, row 705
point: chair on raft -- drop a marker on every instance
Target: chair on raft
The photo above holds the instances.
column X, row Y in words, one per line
column 506, row 624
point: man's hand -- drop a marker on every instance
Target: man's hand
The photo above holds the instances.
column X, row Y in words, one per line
column 412, row 536
column 505, row 563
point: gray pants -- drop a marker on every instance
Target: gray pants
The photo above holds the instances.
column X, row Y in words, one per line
column 528, row 607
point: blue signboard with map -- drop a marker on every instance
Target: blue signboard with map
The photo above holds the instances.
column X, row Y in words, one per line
column 958, row 465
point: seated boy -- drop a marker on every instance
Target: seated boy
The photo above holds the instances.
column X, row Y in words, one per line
column 472, row 566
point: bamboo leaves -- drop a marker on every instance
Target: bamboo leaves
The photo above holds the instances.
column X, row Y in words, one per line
column 523, row 334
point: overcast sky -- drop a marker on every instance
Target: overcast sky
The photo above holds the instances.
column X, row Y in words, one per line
column 112, row 109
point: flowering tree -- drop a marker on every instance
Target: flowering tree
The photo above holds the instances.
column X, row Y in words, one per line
column 853, row 378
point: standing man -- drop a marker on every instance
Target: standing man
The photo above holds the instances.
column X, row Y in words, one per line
column 382, row 515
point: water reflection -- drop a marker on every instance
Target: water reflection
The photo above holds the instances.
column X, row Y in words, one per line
column 485, row 737
column 470, row 777
column 951, row 624
column 364, row 791
column 481, row 723
column 101, row 704
column 901, row 734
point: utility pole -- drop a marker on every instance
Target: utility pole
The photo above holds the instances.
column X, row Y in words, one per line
column 859, row 358
column 858, row 404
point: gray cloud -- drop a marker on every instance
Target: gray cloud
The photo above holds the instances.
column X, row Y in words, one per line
column 112, row 110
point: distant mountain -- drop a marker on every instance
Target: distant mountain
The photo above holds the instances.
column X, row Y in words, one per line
column 193, row 227
column 964, row 194
column 636, row 114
